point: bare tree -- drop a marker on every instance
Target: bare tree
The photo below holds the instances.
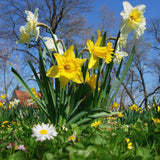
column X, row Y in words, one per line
column 7, row 57
column 154, row 34
column 64, row 17
column 135, row 83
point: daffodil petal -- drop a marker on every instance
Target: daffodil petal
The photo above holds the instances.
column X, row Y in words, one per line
column 78, row 78
column 59, row 58
column 63, row 81
column 93, row 62
column 80, row 61
column 127, row 6
column 90, row 45
column 53, row 72
column 69, row 52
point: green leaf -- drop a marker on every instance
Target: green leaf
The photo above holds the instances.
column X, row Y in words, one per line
column 77, row 117
column 17, row 156
column 99, row 115
column 129, row 62
column 48, row 156
column 144, row 153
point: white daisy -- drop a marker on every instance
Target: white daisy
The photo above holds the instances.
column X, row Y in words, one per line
column 43, row 132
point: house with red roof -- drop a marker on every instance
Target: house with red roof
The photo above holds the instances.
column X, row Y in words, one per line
column 23, row 97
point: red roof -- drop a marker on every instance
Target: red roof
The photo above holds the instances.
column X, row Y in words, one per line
column 23, row 96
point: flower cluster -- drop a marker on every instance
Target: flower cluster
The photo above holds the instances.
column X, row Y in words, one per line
column 135, row 107
column 9, row 125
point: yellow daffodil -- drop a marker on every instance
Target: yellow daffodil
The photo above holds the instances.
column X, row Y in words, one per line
column 115, row 105
column 133, row 19
column 92, row 81
column 96, row 123
column 97, row 51
column 156, row 120
column 68, row 68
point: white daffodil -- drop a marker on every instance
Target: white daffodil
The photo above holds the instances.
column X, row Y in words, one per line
column 32, row 21
column 51, row 46
column 133, row 19
column 32, row 18
column 25, row 37
column 118, row 56
column 122, row 41
column 16, row 101
column 43, row 132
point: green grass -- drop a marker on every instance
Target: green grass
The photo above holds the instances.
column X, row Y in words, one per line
column 106, row 141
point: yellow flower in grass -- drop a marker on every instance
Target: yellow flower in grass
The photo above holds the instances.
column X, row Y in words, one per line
column 92, row 81
column 72, row 138
column 96, row 123
column 68, row 68
column 156, row 120
column 120, row 115
column 133, row 19
column 115, row 105
column 5, row 122
column 129, row 143
column 133, row 107
column 1, row 104
column 3, row 96
column 34, row 92
column 127, row 140
column 158, row 108
column 97, row 51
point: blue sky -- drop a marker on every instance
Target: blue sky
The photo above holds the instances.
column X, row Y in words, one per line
column 152, row 8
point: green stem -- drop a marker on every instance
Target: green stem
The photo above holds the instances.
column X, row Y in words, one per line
column 42, row 150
